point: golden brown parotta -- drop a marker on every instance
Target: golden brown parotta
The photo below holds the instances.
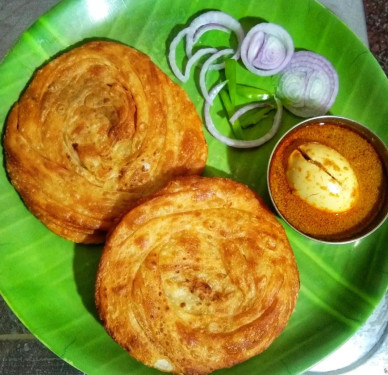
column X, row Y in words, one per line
column 199, row 277
column 97, row 128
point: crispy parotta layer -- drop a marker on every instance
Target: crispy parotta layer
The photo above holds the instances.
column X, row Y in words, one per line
column 96, row 129
column 198, row 277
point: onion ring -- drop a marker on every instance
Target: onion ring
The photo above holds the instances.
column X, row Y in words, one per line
column 213, row 20
column 246, row 109
column 267, row 49
column 237, row 143
column 309, row 85
column 211, row 26
column 208, row 65
column 192, row 60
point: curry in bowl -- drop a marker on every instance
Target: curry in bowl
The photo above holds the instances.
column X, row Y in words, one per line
column 327, row 178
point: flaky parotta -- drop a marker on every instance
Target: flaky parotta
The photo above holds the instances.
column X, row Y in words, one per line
column 96, row 129
column 198, row 277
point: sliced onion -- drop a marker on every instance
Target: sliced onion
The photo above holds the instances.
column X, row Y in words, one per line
column 211, row 26
column 246, row 109
column 208, row 64
column 236, row 142
column 192, row 60
column 309, row 85
column 267, row 49
column 213, row 20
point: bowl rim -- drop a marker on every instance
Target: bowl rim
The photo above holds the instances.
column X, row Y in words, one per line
column 381, row 150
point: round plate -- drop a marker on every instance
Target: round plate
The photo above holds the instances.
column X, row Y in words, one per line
column 49, row 282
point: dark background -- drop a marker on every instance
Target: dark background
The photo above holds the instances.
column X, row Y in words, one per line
column 376, row 14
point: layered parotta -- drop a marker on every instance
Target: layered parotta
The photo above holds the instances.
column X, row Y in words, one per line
column 96, row 129
column 198, row 277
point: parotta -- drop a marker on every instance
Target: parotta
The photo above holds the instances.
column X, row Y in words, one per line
column 198, row 277
column 96, row 129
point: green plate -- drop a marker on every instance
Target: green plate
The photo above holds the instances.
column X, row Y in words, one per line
column 48, row 281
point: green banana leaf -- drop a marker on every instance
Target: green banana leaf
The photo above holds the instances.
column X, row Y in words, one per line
column 49, row 282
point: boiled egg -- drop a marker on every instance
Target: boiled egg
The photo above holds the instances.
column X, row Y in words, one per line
column 322, row 177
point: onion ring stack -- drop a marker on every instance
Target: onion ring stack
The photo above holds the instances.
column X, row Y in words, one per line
column 267, row 49
column 96, row 129
column 308, row 85
column 198, row 277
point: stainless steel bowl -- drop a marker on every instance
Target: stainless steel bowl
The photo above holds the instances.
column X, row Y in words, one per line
column 381, row 150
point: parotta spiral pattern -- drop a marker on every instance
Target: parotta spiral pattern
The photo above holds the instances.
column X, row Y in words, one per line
column 199, row 277
column 96, row 129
